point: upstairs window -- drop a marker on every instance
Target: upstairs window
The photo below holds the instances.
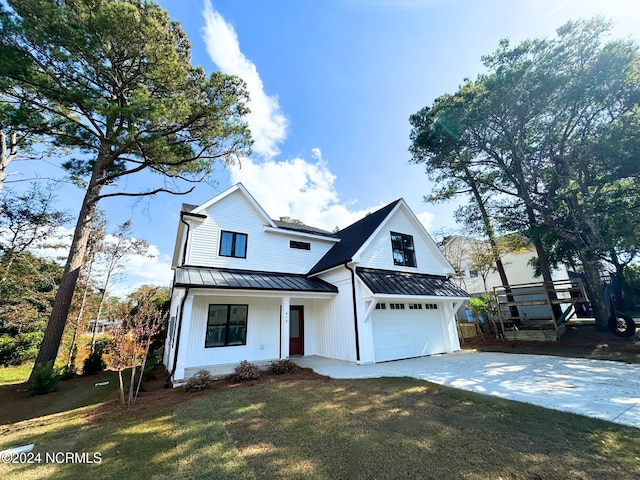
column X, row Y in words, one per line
column 233, row 244
column 403, row 252
column 300, row 245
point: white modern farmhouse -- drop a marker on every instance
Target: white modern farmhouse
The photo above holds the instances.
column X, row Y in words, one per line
column 248, row 287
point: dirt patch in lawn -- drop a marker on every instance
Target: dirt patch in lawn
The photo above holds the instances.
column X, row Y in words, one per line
column 582, row 341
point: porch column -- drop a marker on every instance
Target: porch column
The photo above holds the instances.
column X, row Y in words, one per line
column 184, row 347
column 284, row 328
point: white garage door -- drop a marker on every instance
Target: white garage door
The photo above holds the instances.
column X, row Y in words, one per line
column 407, row 333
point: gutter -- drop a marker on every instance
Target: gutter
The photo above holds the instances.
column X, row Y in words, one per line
column 355, row 309
column 167, row 382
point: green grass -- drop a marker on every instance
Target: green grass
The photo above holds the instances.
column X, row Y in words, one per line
column 9, row 375
column 317, row 429
column 77, row 392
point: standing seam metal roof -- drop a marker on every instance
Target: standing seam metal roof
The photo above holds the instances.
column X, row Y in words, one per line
column 249, row 280
column 391, row 282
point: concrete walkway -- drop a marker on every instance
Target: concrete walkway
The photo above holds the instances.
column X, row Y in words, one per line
column 595, row 388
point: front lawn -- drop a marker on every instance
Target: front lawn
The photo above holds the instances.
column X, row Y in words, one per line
column 391, row 428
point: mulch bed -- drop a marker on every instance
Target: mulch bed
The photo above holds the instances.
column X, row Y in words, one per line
column 155, row 397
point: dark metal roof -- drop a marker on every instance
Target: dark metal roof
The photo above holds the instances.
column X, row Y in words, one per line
column 352, row 238
column 404, row 283
column 202, row 277
column 302, row 228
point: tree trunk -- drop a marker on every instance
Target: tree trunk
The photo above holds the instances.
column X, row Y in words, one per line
column 625, row 288
column 595, row 290
column 58, row 318
column 71, row 356
column 8, row 152
column 121, row 387
column 513, row 310
column 95, row 327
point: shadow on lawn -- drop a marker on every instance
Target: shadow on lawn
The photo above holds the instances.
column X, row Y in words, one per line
column 80, row 391
column 402, row 428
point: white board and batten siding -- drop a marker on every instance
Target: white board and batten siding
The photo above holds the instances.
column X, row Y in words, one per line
column 263, row 335
column 335, row 330
column 377, row 253
column 266, row 251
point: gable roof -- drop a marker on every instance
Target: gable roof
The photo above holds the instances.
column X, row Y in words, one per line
column 238, row 187
column 352, row 238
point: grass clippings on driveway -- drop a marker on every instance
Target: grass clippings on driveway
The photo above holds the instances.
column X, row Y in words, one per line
column 391, row 428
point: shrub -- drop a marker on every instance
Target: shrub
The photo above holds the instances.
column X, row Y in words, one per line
column 19, row 349
column 152, row 361
column 93, row 364
column 199, row 381
column 244, row 372
column 44, row 379
column 67, row 372
column 280, row 367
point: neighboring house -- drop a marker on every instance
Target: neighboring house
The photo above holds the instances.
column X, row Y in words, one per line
column 104, row 326
column 247, row 287
column 465, row 253
column 461, row 252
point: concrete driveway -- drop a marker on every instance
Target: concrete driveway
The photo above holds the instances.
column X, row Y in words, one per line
column 595, row 388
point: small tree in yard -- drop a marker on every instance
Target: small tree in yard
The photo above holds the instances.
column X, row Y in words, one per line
column 132, row 340
column 113, row 253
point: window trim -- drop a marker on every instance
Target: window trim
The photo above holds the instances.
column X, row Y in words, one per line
column 227, row 325
column 404, row 263
column 233, row 244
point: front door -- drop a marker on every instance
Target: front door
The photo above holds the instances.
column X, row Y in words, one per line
column 296, row 330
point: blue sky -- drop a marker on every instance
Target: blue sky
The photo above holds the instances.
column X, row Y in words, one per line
column 333, row 83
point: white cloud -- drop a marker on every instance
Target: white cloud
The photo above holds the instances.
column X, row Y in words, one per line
column 144, row 270
column 267, row 123
column 426, row 218
column 298, row 189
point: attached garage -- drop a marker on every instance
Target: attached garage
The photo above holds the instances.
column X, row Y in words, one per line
column 405, row 333
column 412, row 314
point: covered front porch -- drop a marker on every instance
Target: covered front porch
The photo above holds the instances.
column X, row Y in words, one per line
column 218, row 326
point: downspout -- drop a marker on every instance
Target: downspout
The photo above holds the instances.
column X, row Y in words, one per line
column 355, row 309
column 167, row 382
column 186, row 239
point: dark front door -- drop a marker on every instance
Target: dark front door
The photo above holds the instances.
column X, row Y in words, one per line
column 296, row 330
